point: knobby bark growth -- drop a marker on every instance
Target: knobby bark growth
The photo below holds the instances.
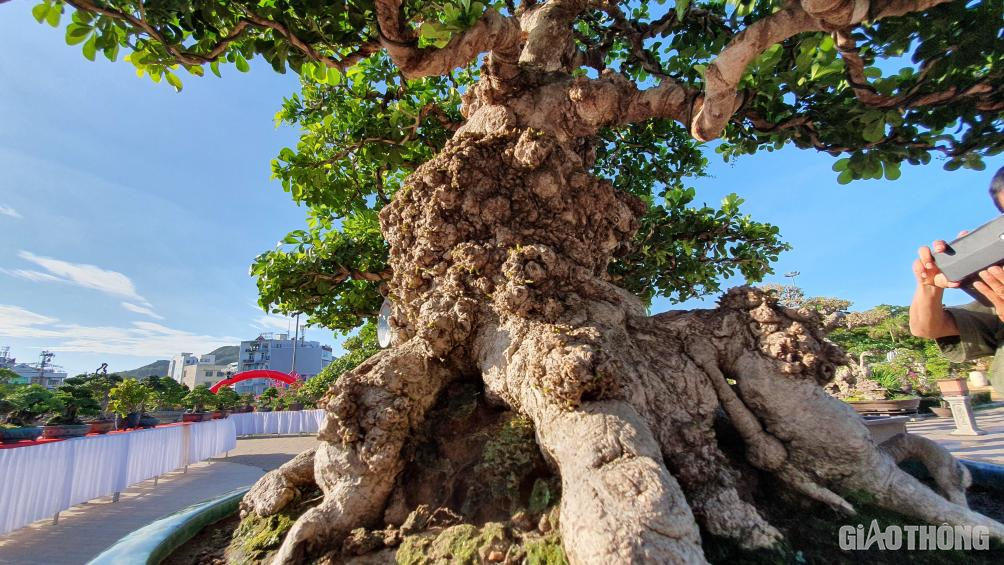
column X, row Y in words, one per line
column 499, row 251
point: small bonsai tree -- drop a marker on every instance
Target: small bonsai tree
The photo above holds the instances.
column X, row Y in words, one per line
column 199, row 398
column 226, row 399
column 268, row 398
column 99, row 386
column 28, row 403
column 73, row 400
column 129, row 397
column 169, row 394
column 247, row 399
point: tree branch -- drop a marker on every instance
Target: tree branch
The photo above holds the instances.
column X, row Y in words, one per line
column 192, row 58
column 722, row 77
column 493, row 32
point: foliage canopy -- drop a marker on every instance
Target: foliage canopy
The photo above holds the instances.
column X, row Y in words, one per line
column 382, row 82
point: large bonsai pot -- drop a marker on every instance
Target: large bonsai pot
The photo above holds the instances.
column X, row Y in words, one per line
column 102, row 426
column 195, row 417
column 11, row 435
column 954, row 387
column 295, row 406
column 904, row 406
column 148, row 421
column 263, row 409
column 65, row 431
column 219, row 414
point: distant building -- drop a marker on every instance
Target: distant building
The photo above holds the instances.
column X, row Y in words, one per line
column 275, row 352
column 176, row 369
column 42, row 373
column 204, row 373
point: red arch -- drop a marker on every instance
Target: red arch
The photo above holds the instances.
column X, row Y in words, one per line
column 255, row 374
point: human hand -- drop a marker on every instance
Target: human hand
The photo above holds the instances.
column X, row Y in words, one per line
column 991, row 285
column 926, row 270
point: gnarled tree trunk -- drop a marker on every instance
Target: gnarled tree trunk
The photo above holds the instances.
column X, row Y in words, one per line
column 499, row 247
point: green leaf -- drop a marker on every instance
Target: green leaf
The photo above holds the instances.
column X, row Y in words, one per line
column 173, row 80
column 40, row 11
column 845, row 177
column 76, row 33
column 215, row 67
column 892, row 171
column 841, row 164
column 242, row 64
column 681, row 8
column 53, row 15
column 90, row 48
column 111, row 52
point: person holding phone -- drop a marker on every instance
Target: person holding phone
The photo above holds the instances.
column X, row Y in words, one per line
column 969, row 332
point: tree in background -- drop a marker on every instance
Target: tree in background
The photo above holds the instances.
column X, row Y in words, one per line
column 168, row 393
column 520, row 210
column 226, row 399
column 199, row 398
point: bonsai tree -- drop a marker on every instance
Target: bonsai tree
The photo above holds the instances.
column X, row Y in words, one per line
column 512, row 178
column 198, row 398
column 247, row 399
column 268, row 398
column 73, row 401
column 29, row 403
column 129, row 397
column 226, row 399
column 169, row 394
column 99, row 386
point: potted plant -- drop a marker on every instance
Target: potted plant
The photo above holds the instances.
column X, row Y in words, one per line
column 23, row 407
column 292, row 397
column 266, row 401
column 246, row 403
column 196, row 401
column 73, row 401
column 129, row 400
column 225, row 401
column 99, row 386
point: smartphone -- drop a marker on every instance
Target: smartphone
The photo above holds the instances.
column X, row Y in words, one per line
column 972, row 253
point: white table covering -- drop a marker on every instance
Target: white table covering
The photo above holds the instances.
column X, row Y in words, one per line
column 38, row 481
column 282, row 423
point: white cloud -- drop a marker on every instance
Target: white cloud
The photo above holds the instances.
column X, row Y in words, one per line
column 34, row 276
column 141, row 310
column 140, row 339
column 272, row 322
column 83, row 275
column 8, row 211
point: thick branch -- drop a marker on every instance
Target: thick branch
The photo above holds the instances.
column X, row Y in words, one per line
column 723, row 75
column 493, row 32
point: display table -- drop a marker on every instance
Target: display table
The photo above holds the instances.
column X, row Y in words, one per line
column 38, row 481
column 281, row 423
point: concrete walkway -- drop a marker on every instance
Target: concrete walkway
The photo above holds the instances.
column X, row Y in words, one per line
column 87, row 529
column 987, row 448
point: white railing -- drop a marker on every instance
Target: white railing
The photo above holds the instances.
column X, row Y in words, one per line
column 290, row 422
column 39, row 481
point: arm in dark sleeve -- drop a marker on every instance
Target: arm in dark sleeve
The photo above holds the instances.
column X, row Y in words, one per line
column 980, row 332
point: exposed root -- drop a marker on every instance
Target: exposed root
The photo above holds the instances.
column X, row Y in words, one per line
column 619, row 503
column 372, row 410
column 280, row 486
column 951, row 476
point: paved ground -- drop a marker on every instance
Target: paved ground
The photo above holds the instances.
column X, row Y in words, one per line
column 988, row 448
column 85, row 530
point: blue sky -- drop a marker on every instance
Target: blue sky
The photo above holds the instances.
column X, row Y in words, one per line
column 129, row 214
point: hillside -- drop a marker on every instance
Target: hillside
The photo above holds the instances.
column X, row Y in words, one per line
column 158, row 368
column 224, row 355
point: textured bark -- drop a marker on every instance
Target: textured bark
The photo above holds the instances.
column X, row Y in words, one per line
column 499, row 248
